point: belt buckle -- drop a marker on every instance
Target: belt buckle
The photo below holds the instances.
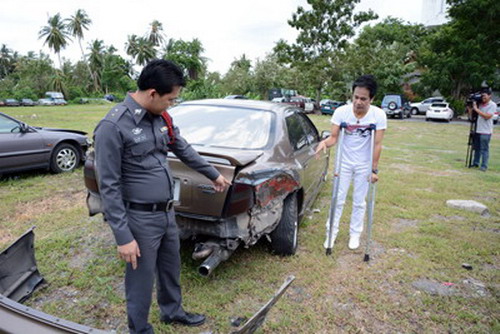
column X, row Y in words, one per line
column 170, row 205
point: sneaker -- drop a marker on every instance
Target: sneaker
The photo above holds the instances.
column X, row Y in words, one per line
column 354, row 242
column 483, row 169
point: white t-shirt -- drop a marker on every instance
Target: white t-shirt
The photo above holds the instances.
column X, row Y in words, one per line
column 356, row 145
column 485, row 126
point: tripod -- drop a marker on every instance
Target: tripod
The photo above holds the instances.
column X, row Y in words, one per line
column 471, row 142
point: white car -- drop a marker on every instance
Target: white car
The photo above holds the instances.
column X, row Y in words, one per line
column 496, row 114
column 421, row 107
column 439, row 110
column 46, row 102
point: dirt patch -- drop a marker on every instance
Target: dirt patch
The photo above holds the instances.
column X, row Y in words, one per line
column 403, row 167
column 53, row 203
column 5, row 236
column 403, row 224
column 468, row 288
column 446, row 218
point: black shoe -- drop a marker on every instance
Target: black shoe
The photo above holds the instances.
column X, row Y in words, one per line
column 188, row 319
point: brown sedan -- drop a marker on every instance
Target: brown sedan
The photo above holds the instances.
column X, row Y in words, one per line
column 267, row 151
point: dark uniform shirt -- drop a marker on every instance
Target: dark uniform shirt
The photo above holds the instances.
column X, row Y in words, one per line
column 131, row 148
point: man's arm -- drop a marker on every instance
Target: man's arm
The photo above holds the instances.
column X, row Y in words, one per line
column 481, row 113
column 328, row 142
column 109, row 150
column 188, row 155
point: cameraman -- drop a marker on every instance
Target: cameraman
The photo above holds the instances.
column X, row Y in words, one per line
column 484, row 128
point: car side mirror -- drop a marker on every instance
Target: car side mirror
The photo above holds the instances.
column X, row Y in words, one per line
column 23, row 127
column 325, row 134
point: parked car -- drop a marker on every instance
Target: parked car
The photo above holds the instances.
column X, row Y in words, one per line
column 421, row 107
column 60, row 102
column 395, row 105
column 27, row 147
column 46, row 102
column 27, row 102
column 496, row 115
column 328, row 107
column 267, row 151
column 281, row 99
column 110, row 97
column 439, row 110
column 12, row 103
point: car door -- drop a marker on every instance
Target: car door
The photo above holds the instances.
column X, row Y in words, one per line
column 304, row 142
column 20, row 149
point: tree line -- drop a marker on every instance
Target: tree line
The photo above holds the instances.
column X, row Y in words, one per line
column 334, row 45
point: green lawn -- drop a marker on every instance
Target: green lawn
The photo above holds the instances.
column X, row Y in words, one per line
column 416, row 238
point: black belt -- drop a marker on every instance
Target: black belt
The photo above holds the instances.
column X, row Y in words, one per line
column 150, row 207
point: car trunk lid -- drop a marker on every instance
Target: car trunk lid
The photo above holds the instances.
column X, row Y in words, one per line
column 196, row 194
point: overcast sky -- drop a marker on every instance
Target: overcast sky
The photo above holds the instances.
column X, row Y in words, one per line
column 226, row 28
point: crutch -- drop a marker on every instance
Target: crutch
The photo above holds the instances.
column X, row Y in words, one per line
column 371, row 194
column 335, row 187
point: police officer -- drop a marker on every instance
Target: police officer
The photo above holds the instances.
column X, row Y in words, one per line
column 131, row 145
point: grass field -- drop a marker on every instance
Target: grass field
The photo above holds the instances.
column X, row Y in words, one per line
column 414, row 282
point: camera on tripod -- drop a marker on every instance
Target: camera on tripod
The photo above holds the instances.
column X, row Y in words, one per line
column 474, row 97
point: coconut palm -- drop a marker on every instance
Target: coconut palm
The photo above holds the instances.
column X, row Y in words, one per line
column 156, row 35
column 76, row 24
column 96, row 61
column 55, row 34
column 140, row 49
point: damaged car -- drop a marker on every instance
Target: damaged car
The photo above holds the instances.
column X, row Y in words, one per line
column 267, row 151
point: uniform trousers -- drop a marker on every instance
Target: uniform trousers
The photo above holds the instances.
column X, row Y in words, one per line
column 359, row 174
column 157, row 236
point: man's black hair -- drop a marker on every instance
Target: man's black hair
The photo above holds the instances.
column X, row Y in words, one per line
column 161, row 75
column 366, row 81
column 486, row 90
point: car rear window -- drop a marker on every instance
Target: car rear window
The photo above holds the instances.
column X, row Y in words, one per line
column 391, row 98
column 439, row 105
column 227, row 127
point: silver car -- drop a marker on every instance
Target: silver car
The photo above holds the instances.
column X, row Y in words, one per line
column 24, row 147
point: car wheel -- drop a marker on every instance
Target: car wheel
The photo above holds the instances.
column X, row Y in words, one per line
column 285, row 236
column 401, row 115
column 65, row 158
column 414, row 111
column 409, row 115
column 427, row 119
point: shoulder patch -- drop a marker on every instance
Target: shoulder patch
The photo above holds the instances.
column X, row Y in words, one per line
column 116, row 113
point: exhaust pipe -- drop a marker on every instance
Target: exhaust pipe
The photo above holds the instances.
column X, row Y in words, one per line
column 217, row 256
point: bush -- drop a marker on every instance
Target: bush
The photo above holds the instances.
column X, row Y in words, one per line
column 458, row 106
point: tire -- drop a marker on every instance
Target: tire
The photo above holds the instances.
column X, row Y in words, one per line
column 414, row 111
column 409, row 115
column 65, row 158
column 392, row 106
column 427, row 119
column 284, row 238
column 401, row 115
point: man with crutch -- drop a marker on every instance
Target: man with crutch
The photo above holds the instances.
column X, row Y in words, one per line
column 353, row 126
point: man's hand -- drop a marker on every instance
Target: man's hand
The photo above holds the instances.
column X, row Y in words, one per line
column 321, row 147
column 374, row 178
column 221, row 183
column 130, row 252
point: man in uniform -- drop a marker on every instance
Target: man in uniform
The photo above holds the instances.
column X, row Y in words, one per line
column 136, row 187
column 356, row 153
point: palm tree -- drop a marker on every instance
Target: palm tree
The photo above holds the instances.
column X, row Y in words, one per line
column 140, row 49
column 155, row 35
column 76, row 24
column 55, row 34
column 96, row 61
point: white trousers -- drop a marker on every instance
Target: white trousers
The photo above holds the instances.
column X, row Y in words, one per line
column 360, row 175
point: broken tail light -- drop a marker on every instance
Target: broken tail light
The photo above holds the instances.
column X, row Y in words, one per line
column 240, row 200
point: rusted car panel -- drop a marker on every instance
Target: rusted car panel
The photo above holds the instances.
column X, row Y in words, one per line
column 19, row 277
column 19, row 274
column 16, row 318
